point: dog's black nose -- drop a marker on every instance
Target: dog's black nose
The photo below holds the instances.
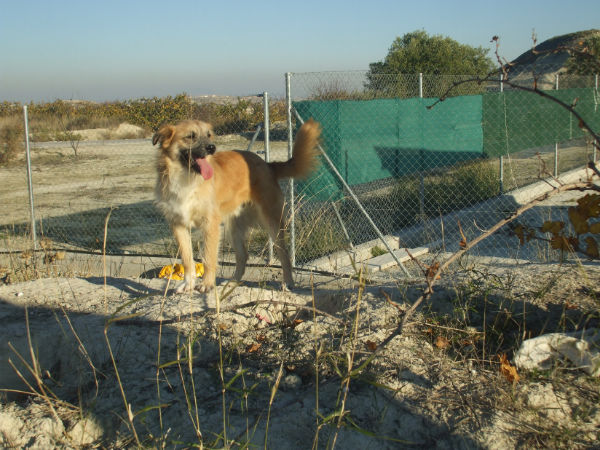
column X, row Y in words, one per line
column 210, row 149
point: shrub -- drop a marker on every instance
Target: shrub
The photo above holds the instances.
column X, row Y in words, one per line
column 11, row 140
column 151, row 113
column 462, row 186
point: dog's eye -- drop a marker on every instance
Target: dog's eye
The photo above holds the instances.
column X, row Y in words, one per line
column 192, row 135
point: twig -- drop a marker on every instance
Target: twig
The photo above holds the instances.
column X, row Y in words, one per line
column 390, row 301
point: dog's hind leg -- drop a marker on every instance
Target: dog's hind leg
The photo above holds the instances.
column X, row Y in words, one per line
column 275, row 227
column 238, row 231
column 284, row 257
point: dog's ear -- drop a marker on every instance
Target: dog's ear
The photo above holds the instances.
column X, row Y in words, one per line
column 164, row 135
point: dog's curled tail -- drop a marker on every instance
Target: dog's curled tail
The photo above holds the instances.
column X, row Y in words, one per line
column 304, row 154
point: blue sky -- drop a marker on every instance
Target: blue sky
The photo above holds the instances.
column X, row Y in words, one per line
column 114, row 50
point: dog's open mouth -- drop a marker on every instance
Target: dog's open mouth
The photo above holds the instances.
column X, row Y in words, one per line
column 202, row 166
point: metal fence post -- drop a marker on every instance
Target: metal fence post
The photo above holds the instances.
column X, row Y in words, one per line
column 421, row 186
column 556, row 160
column 266, row 128
column 597, row 143
column 29, row 178
column 420, row 85
column 292, row 232
column 501, row 174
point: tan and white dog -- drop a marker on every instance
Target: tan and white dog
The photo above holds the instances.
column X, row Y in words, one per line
column 198, row 187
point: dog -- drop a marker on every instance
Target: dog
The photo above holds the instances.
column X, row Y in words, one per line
column 199, row 187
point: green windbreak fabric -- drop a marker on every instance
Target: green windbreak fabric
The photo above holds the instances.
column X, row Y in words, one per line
column 519, row 120
column 370, row 140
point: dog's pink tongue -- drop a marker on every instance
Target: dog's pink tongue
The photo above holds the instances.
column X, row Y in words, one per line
column 206, row 169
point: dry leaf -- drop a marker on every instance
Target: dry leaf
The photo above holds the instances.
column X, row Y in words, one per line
column 569, row 305
column 442, row 342
column 432, row 270
column 563, row 243
column 589, row 205
column 253, row 348
column 372, row 346
column 595, row 228
column 525, row 234
column 463, row 240
column 509, row 372
column 554, row 227
column 519, row 230
column 592, row 247
column 578, row 220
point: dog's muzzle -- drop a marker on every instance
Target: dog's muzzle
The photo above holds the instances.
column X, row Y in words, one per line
column 195, row 158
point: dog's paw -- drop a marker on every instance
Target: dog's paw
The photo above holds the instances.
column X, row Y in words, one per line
column 185, row 287
column 287, row 287
column 204, row 288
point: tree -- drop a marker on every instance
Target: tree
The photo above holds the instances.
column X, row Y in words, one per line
column 417, row 52
column 585, row 58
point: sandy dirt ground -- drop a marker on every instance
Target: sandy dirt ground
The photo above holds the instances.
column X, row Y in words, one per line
column 122, row 361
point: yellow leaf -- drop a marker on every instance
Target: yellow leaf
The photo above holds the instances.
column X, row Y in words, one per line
column 509, row 372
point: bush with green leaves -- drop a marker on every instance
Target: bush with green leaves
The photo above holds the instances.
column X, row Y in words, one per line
column 418, row 52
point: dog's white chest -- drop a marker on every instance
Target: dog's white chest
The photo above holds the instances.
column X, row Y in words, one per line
column 183, row 203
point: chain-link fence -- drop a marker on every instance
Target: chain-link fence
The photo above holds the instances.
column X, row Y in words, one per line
column 401, row 170
column 93, row 175
column 405, row 170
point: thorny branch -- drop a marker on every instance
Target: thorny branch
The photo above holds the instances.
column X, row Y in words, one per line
column 468, row 245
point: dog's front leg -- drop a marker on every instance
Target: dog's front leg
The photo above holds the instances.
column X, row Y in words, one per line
column 184, row 241
column 212, row 237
